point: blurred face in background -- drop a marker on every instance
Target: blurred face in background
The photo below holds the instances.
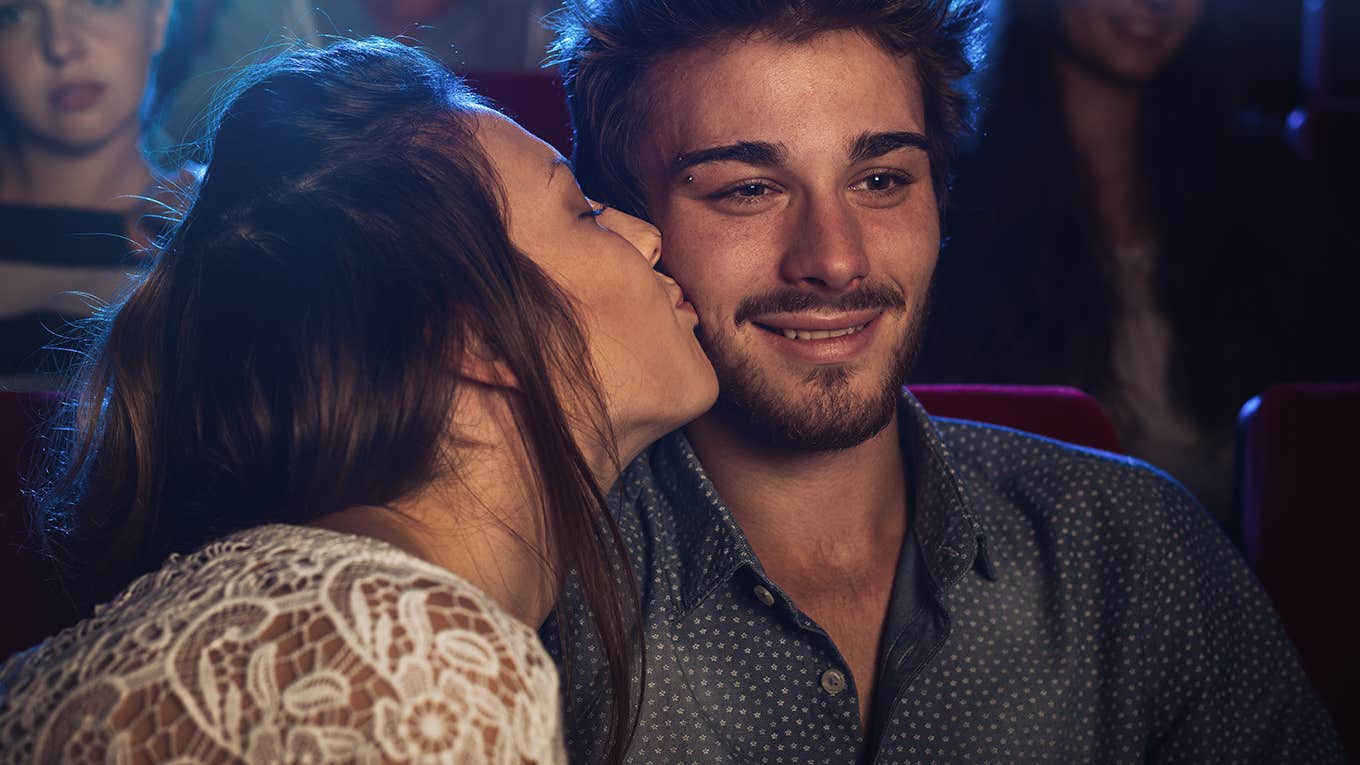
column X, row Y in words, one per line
column 73, row 72
column 1126, row 40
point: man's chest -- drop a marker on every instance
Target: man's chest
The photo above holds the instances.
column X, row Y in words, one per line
column 737, row 680
column 852, row 613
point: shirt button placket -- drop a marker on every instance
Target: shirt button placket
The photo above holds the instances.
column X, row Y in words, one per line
column 833, row 681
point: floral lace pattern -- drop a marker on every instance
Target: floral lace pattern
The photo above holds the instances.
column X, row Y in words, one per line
column 287, row 644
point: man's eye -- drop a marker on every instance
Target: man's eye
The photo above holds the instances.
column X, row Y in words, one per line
column 883, row 182
column 746, row 193
column 751, row 190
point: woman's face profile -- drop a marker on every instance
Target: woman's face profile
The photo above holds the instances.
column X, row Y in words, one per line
column 1127, row 40
column 639, row 328
column 73, row 72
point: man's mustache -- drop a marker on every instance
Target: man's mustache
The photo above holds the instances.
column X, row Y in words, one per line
column 791, row 300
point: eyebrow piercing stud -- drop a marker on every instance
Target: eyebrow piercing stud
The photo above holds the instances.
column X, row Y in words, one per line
column 689, row 179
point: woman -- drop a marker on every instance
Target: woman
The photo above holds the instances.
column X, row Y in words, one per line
column 382, row 369
column 76, row 189
column 1117, row 227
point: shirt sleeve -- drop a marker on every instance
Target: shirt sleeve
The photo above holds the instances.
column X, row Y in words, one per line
column 1226, row 684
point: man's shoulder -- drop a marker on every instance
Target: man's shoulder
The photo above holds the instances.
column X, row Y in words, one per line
column 1111, row 522
column 996, row 451
column 1011, row 477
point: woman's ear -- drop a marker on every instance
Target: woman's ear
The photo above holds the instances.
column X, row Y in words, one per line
column 480, row 364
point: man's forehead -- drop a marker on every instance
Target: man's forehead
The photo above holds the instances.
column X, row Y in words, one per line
column 823, row 92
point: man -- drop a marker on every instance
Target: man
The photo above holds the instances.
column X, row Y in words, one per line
column 827, row 574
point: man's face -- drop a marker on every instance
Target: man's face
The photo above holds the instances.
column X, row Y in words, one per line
column 792, row 185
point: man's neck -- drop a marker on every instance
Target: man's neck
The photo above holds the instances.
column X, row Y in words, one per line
column 104, row 178
column 820, row 508
column 826, row 526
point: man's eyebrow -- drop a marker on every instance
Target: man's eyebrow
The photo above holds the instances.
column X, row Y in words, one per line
column 871, row 145
column 558, row 162
column 758, row 153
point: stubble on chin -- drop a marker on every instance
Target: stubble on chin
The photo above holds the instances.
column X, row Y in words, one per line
column 823, row 411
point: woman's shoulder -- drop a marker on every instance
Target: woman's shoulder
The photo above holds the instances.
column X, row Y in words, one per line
column 282, row 641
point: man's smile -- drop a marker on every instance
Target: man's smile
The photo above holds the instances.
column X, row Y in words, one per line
column 816, row 326
column 820, row 338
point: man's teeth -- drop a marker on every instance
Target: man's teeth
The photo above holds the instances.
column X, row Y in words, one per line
column 820, row 334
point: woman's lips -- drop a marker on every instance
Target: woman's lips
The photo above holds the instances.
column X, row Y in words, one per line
column 681, row 304
column 76, row 96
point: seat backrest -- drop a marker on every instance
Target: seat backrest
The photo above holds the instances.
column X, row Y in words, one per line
column 535, row 99
column 1058, row 412
column 1301, row 516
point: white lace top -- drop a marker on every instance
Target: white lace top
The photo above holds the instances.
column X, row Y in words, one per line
column 287, row 644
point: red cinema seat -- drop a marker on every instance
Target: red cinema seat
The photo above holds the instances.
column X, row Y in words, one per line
column 30, row 603
column 535, row 99
column 1065, row 414
column 1298, row 453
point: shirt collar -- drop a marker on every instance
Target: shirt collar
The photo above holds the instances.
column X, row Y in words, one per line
column 711, row 546
column 952, row 537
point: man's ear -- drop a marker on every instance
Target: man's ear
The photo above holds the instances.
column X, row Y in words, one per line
column 480, row 364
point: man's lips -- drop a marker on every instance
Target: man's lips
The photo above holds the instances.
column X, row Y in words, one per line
column 812, row 326
column 820, row 339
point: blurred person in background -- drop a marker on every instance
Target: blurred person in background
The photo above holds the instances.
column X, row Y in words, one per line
column 77, row 192
column 220, row 37
column 1118, row 226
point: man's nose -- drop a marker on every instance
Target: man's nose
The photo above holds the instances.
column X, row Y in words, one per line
column 826, row 247
column 63, row 36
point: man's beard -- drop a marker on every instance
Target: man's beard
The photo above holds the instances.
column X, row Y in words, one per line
column 823, row 412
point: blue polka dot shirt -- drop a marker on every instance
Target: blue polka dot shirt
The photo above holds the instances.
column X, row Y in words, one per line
column 1051, row 604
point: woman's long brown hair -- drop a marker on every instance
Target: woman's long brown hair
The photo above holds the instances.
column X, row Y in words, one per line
column 293, row 350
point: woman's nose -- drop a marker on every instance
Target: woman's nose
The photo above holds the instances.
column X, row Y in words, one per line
column 62, row 36
column 639, row 233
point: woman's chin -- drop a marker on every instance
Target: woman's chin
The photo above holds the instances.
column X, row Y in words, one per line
column 707, row 390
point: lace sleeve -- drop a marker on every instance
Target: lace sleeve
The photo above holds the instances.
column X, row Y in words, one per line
column 371, row 662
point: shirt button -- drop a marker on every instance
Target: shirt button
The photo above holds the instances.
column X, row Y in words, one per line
column 833, row 681
column 764, row 596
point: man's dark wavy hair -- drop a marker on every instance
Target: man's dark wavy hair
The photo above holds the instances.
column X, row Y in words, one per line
column 606, row 48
